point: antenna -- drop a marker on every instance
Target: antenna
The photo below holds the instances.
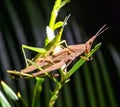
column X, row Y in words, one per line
column 102, row 29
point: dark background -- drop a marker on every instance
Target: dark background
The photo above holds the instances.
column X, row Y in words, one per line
column 24, row 22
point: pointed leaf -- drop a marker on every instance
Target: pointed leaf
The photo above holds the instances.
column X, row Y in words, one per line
column 9, row 92
column 3, row 101
column 58, row 24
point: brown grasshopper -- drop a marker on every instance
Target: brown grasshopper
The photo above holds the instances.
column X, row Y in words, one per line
column 64, row 57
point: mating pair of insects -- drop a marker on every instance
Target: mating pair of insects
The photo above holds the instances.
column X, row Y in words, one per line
column 55, row 61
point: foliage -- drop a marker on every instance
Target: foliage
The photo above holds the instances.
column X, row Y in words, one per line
column 83, row 86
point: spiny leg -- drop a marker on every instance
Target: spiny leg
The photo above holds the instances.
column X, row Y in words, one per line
column 59, row 47
column 85, row 58
column 63, row 41
column 39, row 50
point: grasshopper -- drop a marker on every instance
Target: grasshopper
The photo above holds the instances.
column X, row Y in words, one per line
column 49, row 48
column 65, row 56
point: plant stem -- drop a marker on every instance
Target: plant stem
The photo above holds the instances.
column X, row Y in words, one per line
column 54, row 13
column 37, row 91
column 55, row 93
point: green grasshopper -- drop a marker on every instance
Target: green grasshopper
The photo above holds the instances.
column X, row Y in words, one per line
column 57, row 60
column 49, row 48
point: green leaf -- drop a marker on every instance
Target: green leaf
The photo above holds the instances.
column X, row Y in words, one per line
column 58, row 24
column 9, row 92
column 64, row 2
column 3, row 101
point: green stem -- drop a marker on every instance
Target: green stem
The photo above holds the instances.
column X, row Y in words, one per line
column 54, row 13
column 37, row 91
column 54, row 95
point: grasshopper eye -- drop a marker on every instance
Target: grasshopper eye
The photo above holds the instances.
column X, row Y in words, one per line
column 90, row 43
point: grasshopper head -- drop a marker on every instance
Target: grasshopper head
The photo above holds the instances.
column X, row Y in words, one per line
column 89, row 43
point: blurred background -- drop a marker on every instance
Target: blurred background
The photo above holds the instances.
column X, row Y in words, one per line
column 97, row 83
